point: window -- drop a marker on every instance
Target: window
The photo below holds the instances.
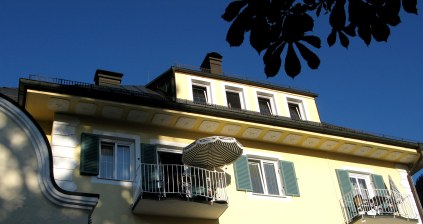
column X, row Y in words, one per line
column 265, row 105
column 264, row 177
column 115, row 161
column 199, row 94
column 296, row 109
column 233, row 99
column 107, row 157
column 361, row 185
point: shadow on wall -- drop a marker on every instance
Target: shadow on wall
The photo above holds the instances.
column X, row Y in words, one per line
column 21, row 198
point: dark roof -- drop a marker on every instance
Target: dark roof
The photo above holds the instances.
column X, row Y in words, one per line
column 139, row 95
column 232, row 78
column 10, row 92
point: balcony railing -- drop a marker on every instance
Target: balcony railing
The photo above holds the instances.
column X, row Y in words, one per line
column 378, row 202
column 181, row 181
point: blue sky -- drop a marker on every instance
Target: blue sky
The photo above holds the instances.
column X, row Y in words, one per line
column 377, row 89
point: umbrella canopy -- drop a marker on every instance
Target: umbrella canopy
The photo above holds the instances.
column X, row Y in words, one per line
column 212, row 152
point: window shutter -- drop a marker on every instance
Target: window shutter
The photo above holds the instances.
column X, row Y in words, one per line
column 379, row 185
column 289, row 178
column 148, row 153
column 378, row 181
column 89, row 154
column 344, row 182
column 242, row 174
column 346, row 190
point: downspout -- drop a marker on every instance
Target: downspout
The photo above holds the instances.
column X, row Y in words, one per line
column 415, row 168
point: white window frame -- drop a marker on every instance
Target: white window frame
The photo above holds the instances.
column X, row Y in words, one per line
column 367, row 179
column 263, row 178
column 238, row 90
column 301, row 107
column 202, row 83
column 271, row 99
column 117, row 142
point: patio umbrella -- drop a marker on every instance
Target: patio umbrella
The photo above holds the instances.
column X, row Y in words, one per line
column 212, row 152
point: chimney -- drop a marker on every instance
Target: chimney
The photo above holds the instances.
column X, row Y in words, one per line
column 212, row 63
column 107, row 78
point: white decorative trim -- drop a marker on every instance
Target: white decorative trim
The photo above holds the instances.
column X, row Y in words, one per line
column 163, row 142
column 43, row 157
column 263, row 155
column 357, row 169
column 122, row 183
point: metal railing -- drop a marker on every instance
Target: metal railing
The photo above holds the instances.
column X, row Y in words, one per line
column 360, row 202
column 171, row 180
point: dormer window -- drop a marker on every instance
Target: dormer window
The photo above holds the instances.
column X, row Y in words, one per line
column 296, row 109
column 265, row 105
column 234, row 97
column 199, row 94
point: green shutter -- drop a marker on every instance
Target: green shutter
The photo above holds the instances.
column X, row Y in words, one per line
column 346, row 190
column 378, row 181
column 89, row 154
column 344, row 182
column 379, row 185
column 148, row 153
column 242, row 174
column 289, row 178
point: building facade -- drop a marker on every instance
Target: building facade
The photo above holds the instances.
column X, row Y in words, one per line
column 126, row 143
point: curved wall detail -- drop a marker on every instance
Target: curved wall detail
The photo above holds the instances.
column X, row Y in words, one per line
column 28, row 192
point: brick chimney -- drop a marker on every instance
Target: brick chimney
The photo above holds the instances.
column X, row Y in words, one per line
column 107, row 78
column 212, row 63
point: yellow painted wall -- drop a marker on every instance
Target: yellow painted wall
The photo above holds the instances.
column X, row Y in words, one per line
column 318, row 203
column 250, row 93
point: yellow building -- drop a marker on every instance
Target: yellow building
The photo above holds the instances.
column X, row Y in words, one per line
column 126, row 145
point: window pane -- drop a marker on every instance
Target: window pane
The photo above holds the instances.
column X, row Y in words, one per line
column 106, row 160
column 271, row 181
column 199, row 94
column 264, row 105
column 256, row 179
column 233, row 100
column 123, row 163
column 294, row 111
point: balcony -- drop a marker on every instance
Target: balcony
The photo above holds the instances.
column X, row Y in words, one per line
column 179, row 191
column 378, row 206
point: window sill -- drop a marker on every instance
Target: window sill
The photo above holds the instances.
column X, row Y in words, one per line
column 124, row 183
column 256, row 196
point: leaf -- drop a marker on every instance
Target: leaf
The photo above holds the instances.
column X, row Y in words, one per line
column 390, row 12
column 350, row 30
column 292, row 63
column 272, row 60
column 337, row 16
column 380, row 31
column 410, row 6
column 364, row 32
column 312, row 60
column 240, row 25
column 312, row 40
column 331, row 38
column 344, row 39
column 233, row 9
column 260, row 34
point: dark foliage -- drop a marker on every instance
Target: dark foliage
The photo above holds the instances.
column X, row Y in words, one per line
column 419, row 187
column 279, row 26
